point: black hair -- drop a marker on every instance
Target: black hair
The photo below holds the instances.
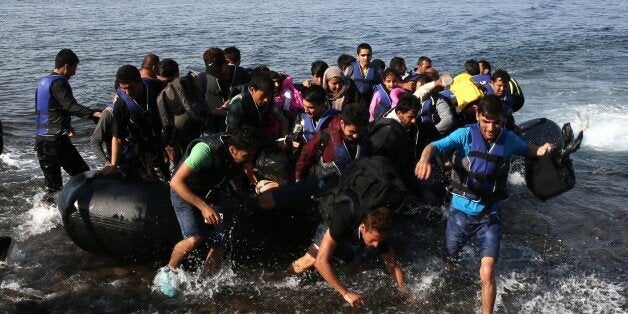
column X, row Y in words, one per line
column 233, row 54
column 260, row 68
column 501, row 74
column 214, row 60
column 127, row 74
column 262, row 81
column 244, row 138
column 396, row 62
column 168, row 68
column 485, row 65
column 354, row 114
column 407, row 102
column 389, row 72
column 66, row 56
column 364, row 46
column 344, row 61
column 491, row 105
column 423, row 58
column 318, row 68
column 149, row 61
column 472, row 67
column 379, row 64
column 315, row 94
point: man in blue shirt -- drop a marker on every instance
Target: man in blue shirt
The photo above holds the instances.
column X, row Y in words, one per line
column 478, row 185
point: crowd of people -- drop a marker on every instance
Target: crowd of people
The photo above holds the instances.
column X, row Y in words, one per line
column 202, row 132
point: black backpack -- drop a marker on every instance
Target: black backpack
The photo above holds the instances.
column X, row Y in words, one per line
column 552, row 174
column 366, row 184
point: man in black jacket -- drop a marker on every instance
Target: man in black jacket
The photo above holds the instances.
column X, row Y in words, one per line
column 55, row 104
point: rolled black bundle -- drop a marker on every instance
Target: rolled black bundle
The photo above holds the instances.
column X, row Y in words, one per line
column 553, row 173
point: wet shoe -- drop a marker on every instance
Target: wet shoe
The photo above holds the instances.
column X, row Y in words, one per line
column 166, row 282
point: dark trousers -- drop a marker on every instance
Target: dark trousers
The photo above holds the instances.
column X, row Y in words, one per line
column 57, row 153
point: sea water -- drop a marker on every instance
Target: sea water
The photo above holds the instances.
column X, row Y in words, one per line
column 568, row 254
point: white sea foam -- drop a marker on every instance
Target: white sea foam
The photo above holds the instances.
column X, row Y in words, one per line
column 38, row 219
column 16, row 160
column 588, row 294
column 605, row 124
column 15, row 285
column 516, row 178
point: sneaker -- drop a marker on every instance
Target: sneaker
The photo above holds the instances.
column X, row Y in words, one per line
column 166, row 282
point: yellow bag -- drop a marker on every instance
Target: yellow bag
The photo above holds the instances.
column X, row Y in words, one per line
column 465, row 90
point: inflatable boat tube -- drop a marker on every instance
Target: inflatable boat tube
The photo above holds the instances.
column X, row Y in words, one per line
column 540, row 131
column 118, row 218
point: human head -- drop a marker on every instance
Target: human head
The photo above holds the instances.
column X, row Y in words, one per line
column 375, row 226
column 407, row 108
column 485, row 67
column 399, row 65
column 409, row 81
column 232, row 55
column 489, row 115
column 66, row 62
column 423, row 64
column 242, row 144
column 364, row 54
column 318, row 69
column 149, row 63
column 129, row 80
column 167, row 70
column 499, row 82
column 344, row 61
column 353, row 121
column 215, row 62
column 432, row 73
column 314, row 101
column 277, row 80
column 472, row 67
column 261, row 88
column 390, row 79
column 334, row 79
column 379, row 65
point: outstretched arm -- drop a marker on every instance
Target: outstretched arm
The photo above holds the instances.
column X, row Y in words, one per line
column 396, row 272
column 323, row 266
column 423, row 168
column 538, row 151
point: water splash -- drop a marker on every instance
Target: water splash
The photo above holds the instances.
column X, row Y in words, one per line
column 588, row 294
column 37, row 220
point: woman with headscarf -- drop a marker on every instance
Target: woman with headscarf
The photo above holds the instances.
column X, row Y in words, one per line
column 339, row 88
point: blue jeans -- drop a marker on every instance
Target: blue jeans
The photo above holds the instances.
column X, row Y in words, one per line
column 461, row 227
column 193, row 224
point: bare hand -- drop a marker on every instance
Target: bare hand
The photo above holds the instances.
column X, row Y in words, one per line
column 249, row 170
column 96, row 114
column 423, row 169
column 353, row 298
column 108, row 170
column 546, row 148
column 210, row 215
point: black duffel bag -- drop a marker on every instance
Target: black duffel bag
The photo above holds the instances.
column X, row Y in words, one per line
column 553, row 173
